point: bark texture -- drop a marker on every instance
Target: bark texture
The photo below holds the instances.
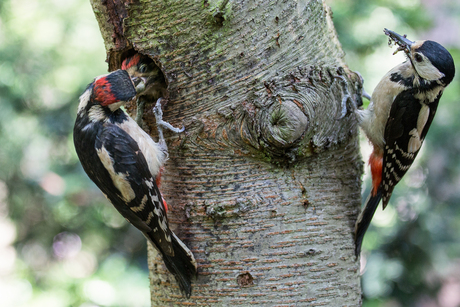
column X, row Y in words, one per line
column 264, row 184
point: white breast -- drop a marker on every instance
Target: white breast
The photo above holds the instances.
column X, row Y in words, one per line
column 152, row 151
column 373, row 120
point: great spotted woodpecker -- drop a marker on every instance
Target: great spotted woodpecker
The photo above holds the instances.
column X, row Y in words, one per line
column 124, row 162
column 399, row 115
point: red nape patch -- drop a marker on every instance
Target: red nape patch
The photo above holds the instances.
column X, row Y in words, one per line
column 376, row 163
column 130, row 62
column 103, row 92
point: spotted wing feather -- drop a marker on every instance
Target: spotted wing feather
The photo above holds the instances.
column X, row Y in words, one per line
column 397, row 158
column 145, row 210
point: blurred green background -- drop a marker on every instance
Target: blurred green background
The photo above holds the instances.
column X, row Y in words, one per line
column 62, row 244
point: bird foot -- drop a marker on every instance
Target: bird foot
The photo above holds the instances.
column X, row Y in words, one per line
column 158, row 111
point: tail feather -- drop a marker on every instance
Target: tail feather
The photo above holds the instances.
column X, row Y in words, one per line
column 364, row 219
column 182, row 265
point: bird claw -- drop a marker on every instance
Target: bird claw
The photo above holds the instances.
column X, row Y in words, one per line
column 170, row 127
column 345, row 98
column 366, row 95
column 158, row 111
column 363, row 91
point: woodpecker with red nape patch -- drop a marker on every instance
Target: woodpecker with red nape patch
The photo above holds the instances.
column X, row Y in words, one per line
column 124, row 162
column 399, row 115
column 153, row 85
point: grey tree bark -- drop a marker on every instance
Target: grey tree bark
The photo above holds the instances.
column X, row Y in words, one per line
column 264, row 185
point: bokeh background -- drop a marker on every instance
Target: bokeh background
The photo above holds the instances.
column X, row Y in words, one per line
column 62, row 244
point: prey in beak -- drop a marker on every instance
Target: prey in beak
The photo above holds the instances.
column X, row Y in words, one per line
column 401, row 40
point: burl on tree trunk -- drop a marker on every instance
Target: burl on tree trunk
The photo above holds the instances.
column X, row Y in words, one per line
column 264, row 184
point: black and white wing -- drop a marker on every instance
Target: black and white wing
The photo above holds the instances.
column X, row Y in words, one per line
column 405, row 131
column 134, row 193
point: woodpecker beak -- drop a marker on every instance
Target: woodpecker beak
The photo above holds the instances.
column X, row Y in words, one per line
column 403, row 43
column 136, row 81
column 139, row 83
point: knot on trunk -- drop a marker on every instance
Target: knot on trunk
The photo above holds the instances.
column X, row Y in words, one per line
column 301, row 113
column 283, row 125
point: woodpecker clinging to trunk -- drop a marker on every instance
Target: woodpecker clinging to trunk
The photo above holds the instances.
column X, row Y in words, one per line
column 399, row 115
column 124, row 162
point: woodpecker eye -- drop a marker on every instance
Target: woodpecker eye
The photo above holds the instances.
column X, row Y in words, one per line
column 418, row 57
column 143, row 68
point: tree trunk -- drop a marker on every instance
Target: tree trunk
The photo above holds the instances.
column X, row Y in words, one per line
column 264, row 184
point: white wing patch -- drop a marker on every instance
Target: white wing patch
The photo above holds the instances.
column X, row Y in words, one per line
column 414, row 143
column 422, row 118
column 416, row 140
column 118, row 179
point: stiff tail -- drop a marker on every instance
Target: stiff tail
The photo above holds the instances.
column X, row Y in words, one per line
column 364, row 219
column 182, row 265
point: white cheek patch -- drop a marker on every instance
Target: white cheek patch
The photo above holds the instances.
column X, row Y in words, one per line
column 118, row 179
column 96, row 114
column 427, row 71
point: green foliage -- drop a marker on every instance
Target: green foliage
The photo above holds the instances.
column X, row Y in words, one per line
column 411, row 250
column 62, row 244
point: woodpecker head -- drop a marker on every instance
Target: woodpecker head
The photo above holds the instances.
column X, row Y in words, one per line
column 108, row 91
column 430, row 60
column 145, row 72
